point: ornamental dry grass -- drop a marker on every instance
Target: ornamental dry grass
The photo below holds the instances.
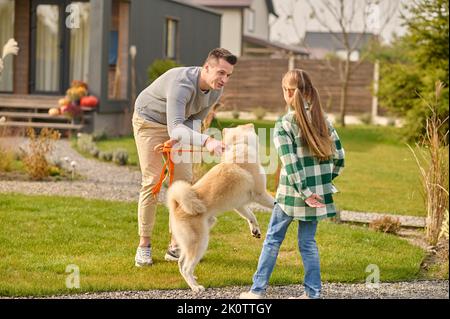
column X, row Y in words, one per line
column 40, row 146
column 6, row 155
column 433, row 162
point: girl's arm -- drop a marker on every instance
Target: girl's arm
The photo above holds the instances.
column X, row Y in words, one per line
column 338, row 156
column 288, row 156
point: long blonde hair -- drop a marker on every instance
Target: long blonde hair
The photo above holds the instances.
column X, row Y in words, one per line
column 314, row 129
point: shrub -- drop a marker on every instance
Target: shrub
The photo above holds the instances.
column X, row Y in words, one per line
column 391, row 121
column 99, row 136
column 94, row 151
column 6, row 159
column 105, row 156
column 235, row 114
column 40, row 146
column 259, row 112
column 86, row 144
column 120, row 156
column 386, row 224
column 54, row 171
column 159, row 67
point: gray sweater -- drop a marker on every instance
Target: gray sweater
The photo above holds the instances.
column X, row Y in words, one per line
column 175, row 100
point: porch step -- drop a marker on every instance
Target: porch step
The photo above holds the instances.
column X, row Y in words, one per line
column 30, row 115
column 28, row 101
column 22, row 111
column 63, row 126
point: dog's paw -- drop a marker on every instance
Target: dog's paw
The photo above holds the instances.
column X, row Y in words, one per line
column 198, row 288
column 256, row 232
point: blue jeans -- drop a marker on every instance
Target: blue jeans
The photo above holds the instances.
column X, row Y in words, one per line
column 279, row 223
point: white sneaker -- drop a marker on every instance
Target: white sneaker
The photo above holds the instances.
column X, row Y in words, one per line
column 250, row 295
column 172, row 254
column 143, row 257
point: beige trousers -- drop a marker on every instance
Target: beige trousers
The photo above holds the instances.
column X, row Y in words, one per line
column 147, row 135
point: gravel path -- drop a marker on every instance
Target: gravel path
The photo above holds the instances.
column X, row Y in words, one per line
column 111, row 182
column 435, row 289
column 100, row 180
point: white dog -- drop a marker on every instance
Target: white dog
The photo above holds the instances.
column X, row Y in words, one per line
column 234, row 183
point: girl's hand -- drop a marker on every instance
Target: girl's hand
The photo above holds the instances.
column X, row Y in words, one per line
column 214, row 146
column 313, row 201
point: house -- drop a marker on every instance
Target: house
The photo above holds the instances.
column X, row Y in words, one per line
column 245, row 28
column 90, row 40
column 321, row 44
column 256, row 47
column 316, row 21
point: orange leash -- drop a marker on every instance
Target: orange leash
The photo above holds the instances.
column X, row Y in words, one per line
column 168, row 167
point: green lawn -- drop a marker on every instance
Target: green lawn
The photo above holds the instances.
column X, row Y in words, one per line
column 40, row 236
column 380, row 175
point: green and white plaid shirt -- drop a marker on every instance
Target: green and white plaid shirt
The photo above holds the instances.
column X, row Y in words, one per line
column 302, row 174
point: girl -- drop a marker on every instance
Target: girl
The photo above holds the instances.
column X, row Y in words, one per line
column 312, row 157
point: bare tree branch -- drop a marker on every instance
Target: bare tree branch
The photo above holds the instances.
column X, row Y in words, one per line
column 293, row 4
column 352, row 15
column 357, row 42
column 323, row 23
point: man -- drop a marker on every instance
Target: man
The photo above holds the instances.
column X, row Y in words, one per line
column 168, row 109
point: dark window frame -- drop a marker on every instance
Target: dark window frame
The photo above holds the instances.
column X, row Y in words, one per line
column 64, row 46
column 168, row 19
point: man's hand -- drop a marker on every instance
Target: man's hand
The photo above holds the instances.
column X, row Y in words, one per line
column 313, row 201
column 214, row 146
column 169, row 143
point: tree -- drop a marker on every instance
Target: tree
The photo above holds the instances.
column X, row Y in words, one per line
column 413, row 63
column 340, row 18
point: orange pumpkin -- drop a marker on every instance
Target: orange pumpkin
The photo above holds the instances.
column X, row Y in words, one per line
column 89, row 101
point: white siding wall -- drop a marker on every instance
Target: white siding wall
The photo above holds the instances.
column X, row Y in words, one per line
column 261, row 15
column 231, row 30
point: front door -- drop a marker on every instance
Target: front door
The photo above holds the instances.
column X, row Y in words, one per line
column 59, row 47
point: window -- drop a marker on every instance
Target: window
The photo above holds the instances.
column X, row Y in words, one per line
column 118, row 53
column 79, row 43
column 171, row 39
column 6, row 33
column 48, row 50
column 113, row 47
column 250, row 20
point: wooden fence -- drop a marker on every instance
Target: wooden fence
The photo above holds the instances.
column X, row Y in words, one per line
column 257, row 83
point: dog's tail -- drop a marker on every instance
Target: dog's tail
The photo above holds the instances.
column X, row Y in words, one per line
column 182, row 194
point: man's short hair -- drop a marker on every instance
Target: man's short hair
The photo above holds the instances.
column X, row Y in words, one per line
column 221, row 53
